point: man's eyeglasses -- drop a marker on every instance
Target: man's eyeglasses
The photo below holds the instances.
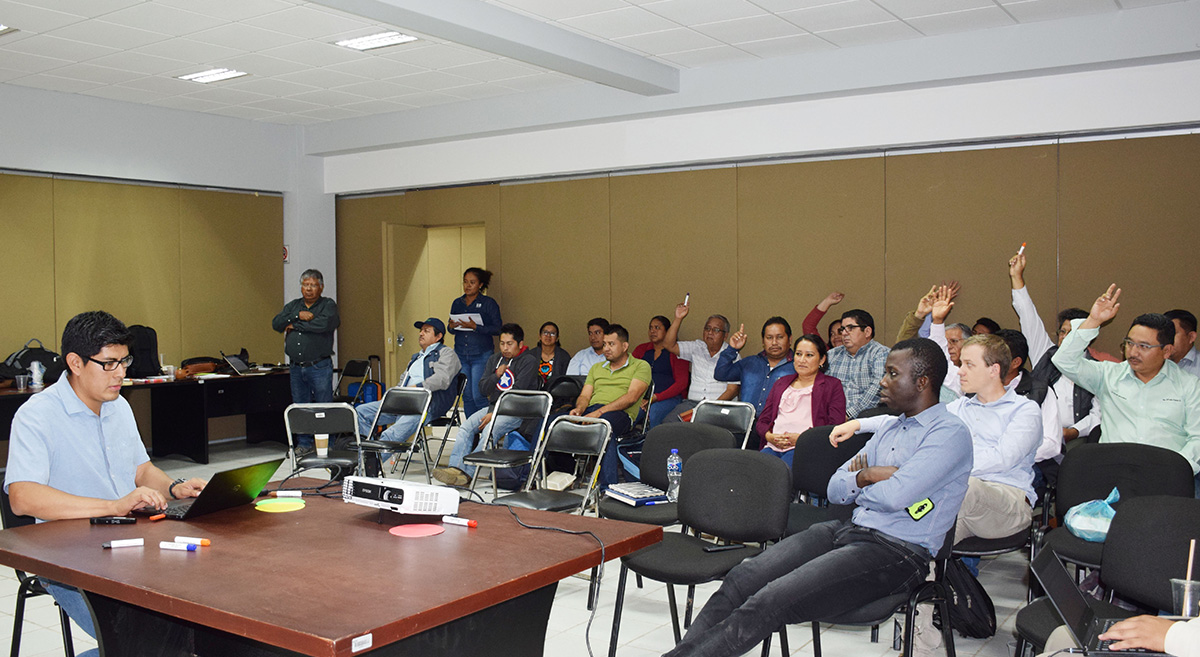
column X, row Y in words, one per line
column 713, row 329
column 846, row 328
column 1140, row 346
column 110, row 365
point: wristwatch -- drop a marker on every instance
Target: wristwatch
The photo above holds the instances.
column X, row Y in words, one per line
column 171, row 488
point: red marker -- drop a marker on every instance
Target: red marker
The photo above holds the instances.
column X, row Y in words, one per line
column 455, row 520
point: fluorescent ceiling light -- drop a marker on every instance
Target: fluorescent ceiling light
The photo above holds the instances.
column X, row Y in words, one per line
column 380, row 40
column 4, row 29
column 212, row 75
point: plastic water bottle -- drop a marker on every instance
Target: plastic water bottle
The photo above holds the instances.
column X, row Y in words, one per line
column 674, row 474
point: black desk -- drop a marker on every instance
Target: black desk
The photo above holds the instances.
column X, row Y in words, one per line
column 179, row 410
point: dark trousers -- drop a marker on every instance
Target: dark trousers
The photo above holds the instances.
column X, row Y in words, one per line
column 827, row 570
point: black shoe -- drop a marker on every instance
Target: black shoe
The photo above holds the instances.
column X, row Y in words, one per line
column 304, row 450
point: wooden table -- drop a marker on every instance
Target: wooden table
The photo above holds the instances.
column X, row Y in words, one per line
column 315, row 581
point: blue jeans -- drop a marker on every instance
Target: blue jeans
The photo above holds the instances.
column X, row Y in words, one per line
column 827, row 570
column 311, row 384
column 71, row 601
column 786, row 457
column 474, row 367
column 464, row 442
column 402, row 428
column 660, row 409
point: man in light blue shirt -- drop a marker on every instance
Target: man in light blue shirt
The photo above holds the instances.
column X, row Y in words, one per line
column 908, row 481
column 1146, row 399
column 581, row 363
column 75, row 451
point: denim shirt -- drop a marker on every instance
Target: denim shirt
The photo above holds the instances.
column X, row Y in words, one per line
column 478, row 341
column 754, row 373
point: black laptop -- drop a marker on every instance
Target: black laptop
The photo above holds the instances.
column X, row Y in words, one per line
column 1080, row 618
column 240, row 367
column 224, row 491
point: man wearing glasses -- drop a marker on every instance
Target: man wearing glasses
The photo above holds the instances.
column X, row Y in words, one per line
column 859, row 362
column 703, row 355
column 1146, row 399
column 75, row 451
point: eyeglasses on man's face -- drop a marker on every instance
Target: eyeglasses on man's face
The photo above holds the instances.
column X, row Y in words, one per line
column 1140, row 346
column 846, row 328
column 110, row 365
column 713, row 329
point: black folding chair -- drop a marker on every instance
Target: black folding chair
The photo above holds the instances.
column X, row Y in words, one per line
column 330, row 419
column 357, row 371
column 452, row 418
column 29, row 586
column 400, row 401
column 522, row 404
column 736, row 417
column 582, row 438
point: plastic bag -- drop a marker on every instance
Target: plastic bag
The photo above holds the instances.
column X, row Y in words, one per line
column 1090, row 520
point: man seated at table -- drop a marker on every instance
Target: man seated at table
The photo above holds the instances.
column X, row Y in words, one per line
column 908, row 482
column 433, row 368
column 75, row 451
column 512, row 368
column 612, row 391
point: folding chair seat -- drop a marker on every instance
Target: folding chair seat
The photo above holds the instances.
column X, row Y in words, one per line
column 331, row 419
column 583, row 438
column 523, row 404
column 736, row 417
column 399, row 401
column 28, row 586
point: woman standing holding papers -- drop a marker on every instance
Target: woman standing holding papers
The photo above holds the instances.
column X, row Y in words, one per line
column 474, row 319
column 799, row 402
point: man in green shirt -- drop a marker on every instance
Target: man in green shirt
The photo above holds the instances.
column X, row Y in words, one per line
column 307, row 325
column 1145, row 399
column 612, row 391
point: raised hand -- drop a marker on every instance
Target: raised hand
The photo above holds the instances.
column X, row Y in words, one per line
column 738, row 340
column 1106, row 306
column 681, row 311
column 832, row 299
column 925, row 305
column 1016, row 270
column 953, row 287
column 941, row 304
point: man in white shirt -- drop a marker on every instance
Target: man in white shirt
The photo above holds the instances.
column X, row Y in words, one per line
column 1185, row 355
column 583, row 359
column 703, row 355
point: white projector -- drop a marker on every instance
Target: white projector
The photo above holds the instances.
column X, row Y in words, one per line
column 400, row 496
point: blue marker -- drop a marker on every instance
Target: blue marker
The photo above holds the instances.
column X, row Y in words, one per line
column 169, row 545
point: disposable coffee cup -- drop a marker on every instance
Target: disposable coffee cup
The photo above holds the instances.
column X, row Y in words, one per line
column 322, row 440
column 1186, row 596
column 22, row 382
column 169, row 370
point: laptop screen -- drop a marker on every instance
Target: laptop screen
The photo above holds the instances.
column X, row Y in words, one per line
column 1063, row 593
column 237, row 364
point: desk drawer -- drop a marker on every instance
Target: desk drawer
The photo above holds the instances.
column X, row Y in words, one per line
column 224, row 397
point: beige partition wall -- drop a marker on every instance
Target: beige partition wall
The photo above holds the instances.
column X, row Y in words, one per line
column 805, row 230
column 360, row 267
column 961, row 216
column 1131, row 215
column 27, row 214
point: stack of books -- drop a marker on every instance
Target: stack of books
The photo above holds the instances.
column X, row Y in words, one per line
column 636, row 494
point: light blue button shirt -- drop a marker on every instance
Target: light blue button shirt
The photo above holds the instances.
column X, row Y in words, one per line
column 58, row 441
column 415, row 376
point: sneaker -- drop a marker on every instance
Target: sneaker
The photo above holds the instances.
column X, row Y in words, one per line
column 451, row 476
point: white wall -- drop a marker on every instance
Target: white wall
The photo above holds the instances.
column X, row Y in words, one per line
column 1138, row 96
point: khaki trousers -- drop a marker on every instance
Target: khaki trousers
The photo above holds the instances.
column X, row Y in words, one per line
column 992, row 510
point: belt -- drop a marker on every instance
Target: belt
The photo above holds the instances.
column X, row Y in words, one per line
column 310, row 363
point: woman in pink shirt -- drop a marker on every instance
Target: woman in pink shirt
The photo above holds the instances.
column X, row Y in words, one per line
column 802, row 401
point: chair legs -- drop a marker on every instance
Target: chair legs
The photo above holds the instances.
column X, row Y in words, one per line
column 783, row 644
column 23, row 593
column 612, row 641
column 68, row 642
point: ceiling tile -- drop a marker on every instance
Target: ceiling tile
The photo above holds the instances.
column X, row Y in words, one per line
column 785, row 46
column 477, row 91
column 161, row 18
column 322, row 78
column 620, row 23
column 269, row 86
column 161, row 85
column 261, row 65
column 869, row 34
column 676, row 40
column 314, row 53
column 540, row 82
column 293, row 119
column 695, row 12
column 788, row 5
column 190, row 51
column 54, row 83
column 377, row 107
column 98, row 74
column 232, row 10
column 227, row 96
column 557, row 9
column 377, row 89
column 87, row 8
column 52, row 46
column 426, row 99
column 243, row 112
column 126, row 94
column 852, row 13
column 138, row 62
column 34, row 19
column 708, row 56
column 287, row 105
column 330, row 97
column 491, row 70
column 306, row 23
column 189, row 104
column 1043, row 10
column 1131, row 4
column 243, row 37
column 961, row 21
column 905, row 9
column 755, row 28
column 378, row 68
column 433, row 81
column 9, row 74
column 436, row 56
column 330, row 114
column 109, row 34
column 19, row 61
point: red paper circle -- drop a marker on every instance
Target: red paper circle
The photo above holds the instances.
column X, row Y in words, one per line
column 416, row 531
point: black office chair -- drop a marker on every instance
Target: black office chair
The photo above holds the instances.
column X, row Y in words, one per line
column 523, row 404
column 565, row 390
column 403, row 401
column 736, row 417
column 331, row 419
column 452, row 418
column 582, row 438
column 813, row 465
column 733, row 494
column 358, row 371
column 29, row 586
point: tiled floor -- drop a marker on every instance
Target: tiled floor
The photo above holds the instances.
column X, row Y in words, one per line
column 645, row 625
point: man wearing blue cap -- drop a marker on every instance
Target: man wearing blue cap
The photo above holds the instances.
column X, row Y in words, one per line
column 433, row 368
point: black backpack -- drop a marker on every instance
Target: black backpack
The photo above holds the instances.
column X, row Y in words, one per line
column 971, row 610
column 145, row 352
column 18, row 362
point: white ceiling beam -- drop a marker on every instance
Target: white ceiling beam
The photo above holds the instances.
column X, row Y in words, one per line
column 501, row 32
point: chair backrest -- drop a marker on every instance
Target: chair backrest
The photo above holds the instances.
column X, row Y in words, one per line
column 1147, row 545
column 524, row 404
column 815, row 460
column 356, row 369
column 645, row 424
column 1090, row 472
column 330, row 418
column 736, row 417
column 577, row 436
column 405, row 401
column 565, row 389
column 686, row 437
column 735, row 494
column 876, row 410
